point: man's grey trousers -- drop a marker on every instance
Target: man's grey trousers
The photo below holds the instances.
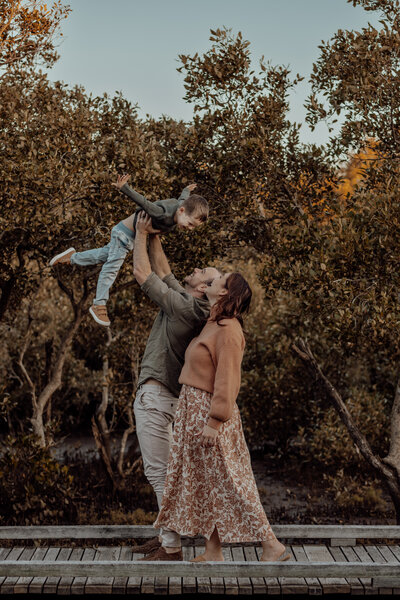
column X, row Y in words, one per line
column 155, row 408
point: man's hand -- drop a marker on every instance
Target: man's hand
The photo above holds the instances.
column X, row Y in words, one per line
column 208, row 436
column 122, row 180
column 144, row 225
column 191, row 186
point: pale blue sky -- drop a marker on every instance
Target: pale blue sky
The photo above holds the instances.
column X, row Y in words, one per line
column 132, row 45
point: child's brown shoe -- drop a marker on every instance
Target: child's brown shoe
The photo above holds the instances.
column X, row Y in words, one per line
column 99, row 314
column 64, row 257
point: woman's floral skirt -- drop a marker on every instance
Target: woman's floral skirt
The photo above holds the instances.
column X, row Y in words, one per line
column 208, row 487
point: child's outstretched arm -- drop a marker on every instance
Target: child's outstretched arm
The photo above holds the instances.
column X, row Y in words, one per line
column 153, row 210
column 187, row 191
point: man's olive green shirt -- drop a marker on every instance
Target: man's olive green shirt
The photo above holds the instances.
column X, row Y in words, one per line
column 180, row 319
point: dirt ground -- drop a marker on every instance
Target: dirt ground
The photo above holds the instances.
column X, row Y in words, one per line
column 289, row 496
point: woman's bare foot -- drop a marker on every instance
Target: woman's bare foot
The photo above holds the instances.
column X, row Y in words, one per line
column 273, row 551
column 209, row 556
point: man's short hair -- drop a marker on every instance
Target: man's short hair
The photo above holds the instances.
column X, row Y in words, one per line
column 196, row 206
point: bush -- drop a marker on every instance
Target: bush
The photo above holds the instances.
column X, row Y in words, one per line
column 34, row 487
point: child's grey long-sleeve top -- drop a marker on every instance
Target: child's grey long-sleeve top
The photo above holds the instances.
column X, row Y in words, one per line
column 162, row 212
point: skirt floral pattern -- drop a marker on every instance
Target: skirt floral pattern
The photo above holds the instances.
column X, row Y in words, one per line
column 208, row 487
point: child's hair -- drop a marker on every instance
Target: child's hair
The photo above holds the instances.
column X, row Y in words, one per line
column 197, row 206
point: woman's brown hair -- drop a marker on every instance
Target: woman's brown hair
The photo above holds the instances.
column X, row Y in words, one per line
column 236, row 302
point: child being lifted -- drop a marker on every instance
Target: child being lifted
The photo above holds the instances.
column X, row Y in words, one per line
column 187, row 212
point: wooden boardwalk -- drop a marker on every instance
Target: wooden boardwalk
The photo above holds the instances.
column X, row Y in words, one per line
column 341, row 567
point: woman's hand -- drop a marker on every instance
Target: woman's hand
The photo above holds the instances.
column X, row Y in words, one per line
column 208, row 436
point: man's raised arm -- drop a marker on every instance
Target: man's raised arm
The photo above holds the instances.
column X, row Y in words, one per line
column 170, row 298
column 158, row 260
column 141, row 262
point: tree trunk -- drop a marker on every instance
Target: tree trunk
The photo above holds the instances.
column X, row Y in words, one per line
column 100, row 429
column 393, row 458
column 388, row 475
column 55, row 378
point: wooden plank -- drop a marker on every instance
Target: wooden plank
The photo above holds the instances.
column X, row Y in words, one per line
column 217, row 584
column 175, row 586
column 78, row 583
column 379, row 553
column 231, row 583
column 103, row 585
column 148, row 583
column 37, row 583
column 330, row 569
column 3, row 554
column 313, row 584
column 273, row 585
column 61, row 532
column 352, row 557
column 161, row 583
column 258, row 583
column 343, row 541
column 203, row 582
column 244, row 583
column 64, row 585
column 356, row 587
column 369, row 588
column 330, row 585
column 344, row 532
column 22, row 583
column 120, row 583
column 134, row 584
column 396, row 552
column 293, row 585
column 8, row 583
column 188, row 583
column 51, row 583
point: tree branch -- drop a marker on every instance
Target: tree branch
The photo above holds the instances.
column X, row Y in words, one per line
column 389, row 476
column 393, row 458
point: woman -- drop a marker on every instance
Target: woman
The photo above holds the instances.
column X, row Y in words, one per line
column 210, row 487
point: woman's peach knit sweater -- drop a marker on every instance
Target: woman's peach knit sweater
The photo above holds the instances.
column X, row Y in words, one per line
column 212, row 363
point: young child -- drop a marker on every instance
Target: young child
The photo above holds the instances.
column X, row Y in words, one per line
column 187, row 212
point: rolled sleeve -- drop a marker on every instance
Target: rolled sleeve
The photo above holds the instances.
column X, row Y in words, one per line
column 171, row 301
column 173, row 283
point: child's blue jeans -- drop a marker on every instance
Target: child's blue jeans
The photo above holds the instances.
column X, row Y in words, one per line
column 111, row 256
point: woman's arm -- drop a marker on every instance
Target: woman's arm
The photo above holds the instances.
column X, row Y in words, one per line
column 229, row 355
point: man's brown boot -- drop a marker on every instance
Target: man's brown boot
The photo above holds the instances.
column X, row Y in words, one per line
column 64, row 257
column 161, row 554
column 147, row 547
column 99, row 314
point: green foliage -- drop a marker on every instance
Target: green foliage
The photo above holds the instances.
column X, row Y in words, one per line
column 327, row 265
column 357, row 77
column 328, row 443
column 34, row 487
column 354, row 494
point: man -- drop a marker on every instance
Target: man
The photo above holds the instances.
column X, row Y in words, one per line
column 184, row 310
